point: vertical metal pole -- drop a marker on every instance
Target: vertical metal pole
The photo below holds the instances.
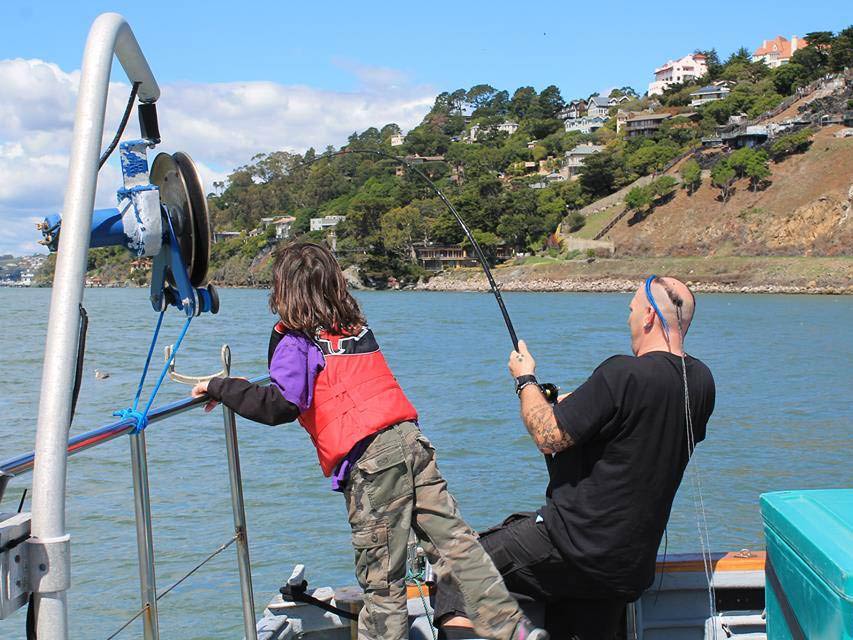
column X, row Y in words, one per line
column 144, row 537
column 237, row 506
column 110, row 33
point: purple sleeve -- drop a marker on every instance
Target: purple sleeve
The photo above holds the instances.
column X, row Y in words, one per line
column 294, row 366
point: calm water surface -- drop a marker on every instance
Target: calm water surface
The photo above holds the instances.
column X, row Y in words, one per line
column 783, row 420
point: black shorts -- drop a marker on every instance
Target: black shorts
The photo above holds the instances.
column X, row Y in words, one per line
column 570, row 604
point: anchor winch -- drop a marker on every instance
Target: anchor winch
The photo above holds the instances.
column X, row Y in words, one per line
column 161, row 214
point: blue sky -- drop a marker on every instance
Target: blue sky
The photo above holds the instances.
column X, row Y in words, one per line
column 580, row 46
column 240, row 78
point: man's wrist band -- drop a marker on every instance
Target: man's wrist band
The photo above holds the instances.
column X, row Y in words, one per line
column 523, row 381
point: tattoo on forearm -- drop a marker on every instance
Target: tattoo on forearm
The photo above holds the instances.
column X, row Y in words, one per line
column 538, row 416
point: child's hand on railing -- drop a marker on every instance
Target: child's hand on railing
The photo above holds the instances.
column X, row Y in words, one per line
column 199, row 390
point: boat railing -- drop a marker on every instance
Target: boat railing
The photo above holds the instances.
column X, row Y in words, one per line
column 24, row 463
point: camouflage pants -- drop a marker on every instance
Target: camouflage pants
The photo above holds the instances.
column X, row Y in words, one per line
column 396, row 487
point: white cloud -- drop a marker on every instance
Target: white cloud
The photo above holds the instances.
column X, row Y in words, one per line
column 221, row 125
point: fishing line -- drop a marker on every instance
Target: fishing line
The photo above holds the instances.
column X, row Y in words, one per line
column 480, row 255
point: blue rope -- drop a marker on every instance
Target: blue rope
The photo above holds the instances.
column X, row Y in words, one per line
column 148, row 360
column 166, row 366
column 132, row 412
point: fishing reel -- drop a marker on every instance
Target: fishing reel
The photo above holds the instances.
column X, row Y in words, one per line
column 161, row 214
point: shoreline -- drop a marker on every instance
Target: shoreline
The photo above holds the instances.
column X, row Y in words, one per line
column 439, row 284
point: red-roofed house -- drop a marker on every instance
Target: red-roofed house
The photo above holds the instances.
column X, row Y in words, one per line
column 778, row 51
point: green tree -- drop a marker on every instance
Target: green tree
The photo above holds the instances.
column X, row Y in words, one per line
column 723, row 177
column 757, row 169
column 791, row 143
column 639, row 199
column 663, row 187
column 401, row 228
column 524, row 103
column 601, row 174
column 841, row 52
column 691, row 176
column 551, row 101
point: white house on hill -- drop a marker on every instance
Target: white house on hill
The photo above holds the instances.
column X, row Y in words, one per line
column 674, row 72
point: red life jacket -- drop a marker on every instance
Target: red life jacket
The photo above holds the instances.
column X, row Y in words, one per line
column 355, row 395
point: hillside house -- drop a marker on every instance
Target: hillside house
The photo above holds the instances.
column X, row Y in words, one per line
column 397, row 140
column 219, row 236
column 644, row 124
column 598, row 107
column 575, row 109
column 576, row 157
column 778, row 51
column 283, row 227
column 326, row 222
column 674, row 72
column 435, row 257
column 617, row 100
column 477, row 130
column 584, row 124
column 621, row 117
column 750, row 136
column 711, row 93
column 508, row 127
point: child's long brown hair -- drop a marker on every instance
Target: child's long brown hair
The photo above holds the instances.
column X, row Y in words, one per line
column 309, row 291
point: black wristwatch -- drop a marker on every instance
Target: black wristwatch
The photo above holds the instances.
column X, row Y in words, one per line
column 523, row 381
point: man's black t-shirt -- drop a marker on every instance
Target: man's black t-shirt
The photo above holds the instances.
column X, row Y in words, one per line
column 610, row 494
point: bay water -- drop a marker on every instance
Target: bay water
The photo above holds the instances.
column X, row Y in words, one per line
column 783, row 420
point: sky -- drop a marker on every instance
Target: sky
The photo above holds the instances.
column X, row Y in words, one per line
column 241, row 78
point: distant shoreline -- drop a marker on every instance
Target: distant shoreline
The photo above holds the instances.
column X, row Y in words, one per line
column 623, row 286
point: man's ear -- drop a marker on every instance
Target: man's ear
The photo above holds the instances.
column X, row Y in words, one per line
column 649, row 319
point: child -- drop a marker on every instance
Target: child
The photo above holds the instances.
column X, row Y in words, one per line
column 327, row 371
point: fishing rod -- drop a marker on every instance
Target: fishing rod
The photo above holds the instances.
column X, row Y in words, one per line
column 548, row 389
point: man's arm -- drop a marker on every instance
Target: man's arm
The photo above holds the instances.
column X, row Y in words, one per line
column 538, row 416
column 536, row 412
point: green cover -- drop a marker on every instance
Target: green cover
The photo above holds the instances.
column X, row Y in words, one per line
column 809, row 536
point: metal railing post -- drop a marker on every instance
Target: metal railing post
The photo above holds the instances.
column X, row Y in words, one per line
column 144, row 536
column 235, row 478
column 109, row 34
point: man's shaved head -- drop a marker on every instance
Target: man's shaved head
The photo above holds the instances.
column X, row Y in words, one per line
column 672, row 295
column 676, row 304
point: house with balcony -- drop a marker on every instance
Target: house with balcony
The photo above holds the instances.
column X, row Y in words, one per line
column 572, row 111
column 436, row 257
column 778, row 51
column 644, row 124
column 584, row 124
column 711, row 93
column 686, row 69
column 577, row 156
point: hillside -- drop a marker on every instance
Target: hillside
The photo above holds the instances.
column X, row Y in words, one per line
column 805, row 210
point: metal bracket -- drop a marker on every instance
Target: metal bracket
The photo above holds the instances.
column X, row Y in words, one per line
column 14, row 564
column 183, row 379
column 50, row 564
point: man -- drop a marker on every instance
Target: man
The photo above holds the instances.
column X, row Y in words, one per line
column 618, row 447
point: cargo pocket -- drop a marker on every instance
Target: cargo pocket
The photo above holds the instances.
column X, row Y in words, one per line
column 371, row 556
column 386, row 476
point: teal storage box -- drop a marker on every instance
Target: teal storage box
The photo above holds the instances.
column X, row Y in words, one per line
column 809, row 570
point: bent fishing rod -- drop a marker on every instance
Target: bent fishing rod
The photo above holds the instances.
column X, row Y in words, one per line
column 549, row 390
